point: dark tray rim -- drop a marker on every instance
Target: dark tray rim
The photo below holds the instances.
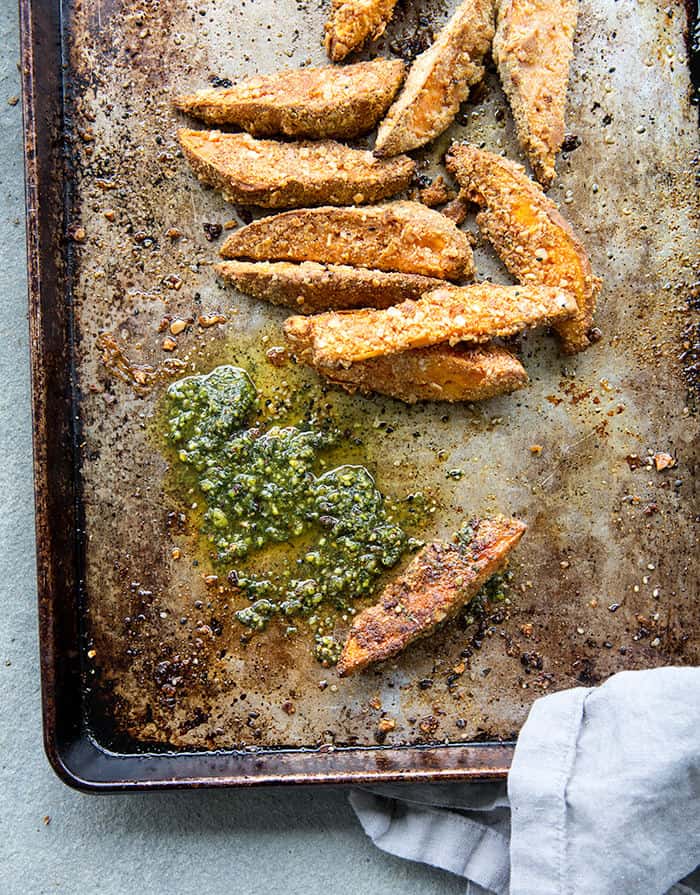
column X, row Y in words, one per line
column 76, row 757
column 85, row 765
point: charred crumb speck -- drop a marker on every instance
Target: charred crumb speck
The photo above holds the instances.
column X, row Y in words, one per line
column 212, row 231
column 244, row 213
column 585, row 671
column 478, row 93
column 422, row 180
column 415, row 44
column 429, row 725
column 218, row 82
column 571, row 143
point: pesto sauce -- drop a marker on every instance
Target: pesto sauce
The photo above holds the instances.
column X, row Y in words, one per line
column 262, row 484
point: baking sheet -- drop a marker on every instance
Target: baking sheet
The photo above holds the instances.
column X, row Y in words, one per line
column 607, row 577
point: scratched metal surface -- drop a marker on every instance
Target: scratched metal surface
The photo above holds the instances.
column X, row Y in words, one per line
column 165, row 661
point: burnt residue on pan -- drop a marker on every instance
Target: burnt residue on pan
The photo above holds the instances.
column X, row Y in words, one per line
column 606, row 578
column 692, row 42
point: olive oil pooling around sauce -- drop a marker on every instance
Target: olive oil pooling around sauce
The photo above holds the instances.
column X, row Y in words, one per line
column 262, row 486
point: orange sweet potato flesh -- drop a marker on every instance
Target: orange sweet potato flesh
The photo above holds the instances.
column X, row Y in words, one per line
column 333, row 101
column 273, row 174
column 439, row 373
column 439, row 80
column 474, row 314
column 354, row 22
column 533, row 47
column 310, row 287
column 401, row 236
column 440, row 580
column 537, row 245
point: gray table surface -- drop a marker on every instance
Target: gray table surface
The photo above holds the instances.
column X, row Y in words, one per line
column 53, row 839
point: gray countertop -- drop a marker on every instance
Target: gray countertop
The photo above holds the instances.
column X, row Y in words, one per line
column 55, row 840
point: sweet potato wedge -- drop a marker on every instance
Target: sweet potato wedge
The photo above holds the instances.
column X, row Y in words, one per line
column 400, row 236
column 451, row 314
column 439, row 80
column 525, row 227
column 440, row 580
column 289, row 175
column 316, row 103
column 438, row 373
column 533, row 47
column 354, row 22
column 310, row 287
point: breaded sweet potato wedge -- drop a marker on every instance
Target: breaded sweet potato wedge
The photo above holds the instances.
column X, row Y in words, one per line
column 288, row 175
column 439, row 80
column 440, row 580
column 451, row 314
column 310, row 287
column 533, row 47
column 525, row 227
column 438, row 373
column 317, row 103
column 353, row 22
column 401, row 236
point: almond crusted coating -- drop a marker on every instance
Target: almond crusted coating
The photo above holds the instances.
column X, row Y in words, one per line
column 286, row 175
column 441, row 579
column 353, row 22
column 525, row 227
column 533, row 47
column 438, row 373
column 399, row 236
column 317, row 103
column 310, row 287
column 439, row 80
column 453, row 314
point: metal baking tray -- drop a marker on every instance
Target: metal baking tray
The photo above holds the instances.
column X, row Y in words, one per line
column 607, row 578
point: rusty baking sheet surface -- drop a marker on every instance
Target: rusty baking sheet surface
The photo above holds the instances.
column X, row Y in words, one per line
column 607, row 578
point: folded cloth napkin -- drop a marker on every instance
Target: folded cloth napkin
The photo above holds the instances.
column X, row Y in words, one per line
column 603, row 798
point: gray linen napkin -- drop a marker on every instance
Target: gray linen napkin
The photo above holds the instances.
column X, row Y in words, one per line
column 603, row 798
